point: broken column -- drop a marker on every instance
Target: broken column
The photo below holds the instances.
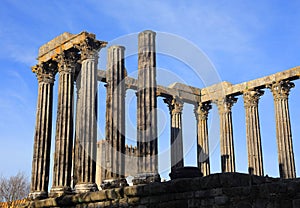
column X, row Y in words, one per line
column 255, row 159
column 201, row 113
column 176, row 106
column 115, row 118
column 226, row 133
column 86, row 116
column 286, row 161
column 45, row 73
column 61, row 183
column 147, row 109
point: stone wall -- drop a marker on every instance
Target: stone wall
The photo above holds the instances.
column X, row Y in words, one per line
column 216, row 190
column 130, row 160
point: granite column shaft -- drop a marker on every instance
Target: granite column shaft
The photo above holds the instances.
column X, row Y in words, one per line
column 255, row 159
column 86, row 117
column 64, row 124
column 286, row 160
column 201, row 112
column 43, row 128
column 147, row 104
column 115, row 113
column 176, row 107
column 226, row 133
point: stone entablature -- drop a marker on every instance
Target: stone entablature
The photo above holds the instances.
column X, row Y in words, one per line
column 62, row 43
column 192, row 94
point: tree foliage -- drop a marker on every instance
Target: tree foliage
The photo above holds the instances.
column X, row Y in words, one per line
column 14, row 188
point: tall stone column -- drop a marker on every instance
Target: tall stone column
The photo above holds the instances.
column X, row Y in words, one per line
column 64, row 124
column 255, row 160
column 86, row 117
column 115, row 117
column 286, row 161
column 42, row 138
column 176, row 107
column 201, row 113
column 147, row 106
column 226, row 133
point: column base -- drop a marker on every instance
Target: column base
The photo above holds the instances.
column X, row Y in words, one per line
column 59, row 191
column 114, row 183
column 38, row 195
column 146, row 178
column 86, row 187
column 185, row 172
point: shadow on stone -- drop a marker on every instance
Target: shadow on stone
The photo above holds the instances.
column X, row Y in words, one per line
column 185, row 172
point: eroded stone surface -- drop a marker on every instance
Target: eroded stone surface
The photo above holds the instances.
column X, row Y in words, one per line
column 225, row 190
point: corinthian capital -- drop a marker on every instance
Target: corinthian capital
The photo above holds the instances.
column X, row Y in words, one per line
column 45, row 72
column 175, row 105
column 201, row 110
column 89, row 48
column 225, row 104
column 68, row 61
column 251, row 97
column 281, row 89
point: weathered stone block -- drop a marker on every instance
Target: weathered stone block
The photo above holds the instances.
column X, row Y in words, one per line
column 155, row 199
column 173, row 204
column 269, row 194
column 145, row 200
column 111, row 194
column 200, row 194
column 221, row 200
column 51, row 202
column 133, row 200
column 215, row 192
column 186, row 195
column 260, row 202
column 93, row 196
column 244, row 204
column 234, row 180
column 207, row 202
column 119, row 192
column 181, row 185
column 156, row 188
column 210, row 181
column 194, row 203
column 133, row 190
column 286, row 203
column 293, row 188
column 296, row 203
column 195, row 183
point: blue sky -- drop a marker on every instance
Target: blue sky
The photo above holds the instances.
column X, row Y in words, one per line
column 244, row 40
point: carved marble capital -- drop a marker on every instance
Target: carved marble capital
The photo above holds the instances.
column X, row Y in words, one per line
column 45, row 72
column 225, row 104
column 201, row 110
column 68, row 61
column 251, row 97
column 175, row 105
column 281, row 89
column 89, row 48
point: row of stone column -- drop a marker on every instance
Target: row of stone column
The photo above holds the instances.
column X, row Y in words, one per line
column 85, row 73
column 280, row 91
column 147, row 146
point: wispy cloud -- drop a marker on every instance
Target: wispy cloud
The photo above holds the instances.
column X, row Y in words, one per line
column 210, row 24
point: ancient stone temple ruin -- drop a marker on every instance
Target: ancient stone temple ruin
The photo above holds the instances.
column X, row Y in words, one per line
column 74, row 58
